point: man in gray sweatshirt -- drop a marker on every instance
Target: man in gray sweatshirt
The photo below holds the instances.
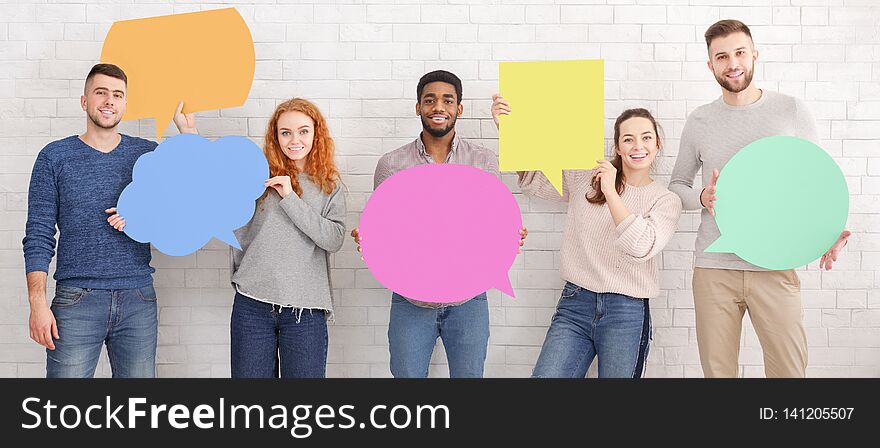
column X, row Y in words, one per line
column 724, row 285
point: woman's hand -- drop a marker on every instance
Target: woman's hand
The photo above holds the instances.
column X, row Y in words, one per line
column 281, row 184
column 607, row 175
column 499, row 107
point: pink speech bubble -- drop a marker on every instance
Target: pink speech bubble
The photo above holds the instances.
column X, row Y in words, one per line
column 441, row 233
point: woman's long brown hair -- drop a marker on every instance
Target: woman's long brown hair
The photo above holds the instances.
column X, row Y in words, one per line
column 598, row 196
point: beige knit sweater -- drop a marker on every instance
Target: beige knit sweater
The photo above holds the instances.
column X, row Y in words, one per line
column 602, row 257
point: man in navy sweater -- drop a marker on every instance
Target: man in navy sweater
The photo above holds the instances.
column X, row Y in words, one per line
column 104, row 285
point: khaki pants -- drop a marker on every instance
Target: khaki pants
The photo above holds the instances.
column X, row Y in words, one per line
column 773, row 299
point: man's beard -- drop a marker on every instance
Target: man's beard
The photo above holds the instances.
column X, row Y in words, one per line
column 94, row 119
column 725, row 83
column 437, row 133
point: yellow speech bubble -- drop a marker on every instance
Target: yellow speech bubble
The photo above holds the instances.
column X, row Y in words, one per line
column 556, row 119
column 204, row 58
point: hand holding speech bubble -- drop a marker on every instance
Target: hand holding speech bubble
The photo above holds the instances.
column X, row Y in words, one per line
column 441, row 233
column 204, row 58
column 565, row 100
column 782, row 203
column 190, row 189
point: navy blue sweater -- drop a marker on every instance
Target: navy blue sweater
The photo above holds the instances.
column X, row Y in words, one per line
column 71, row 186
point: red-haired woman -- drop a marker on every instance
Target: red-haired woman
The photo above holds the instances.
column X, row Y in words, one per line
column 281, row 274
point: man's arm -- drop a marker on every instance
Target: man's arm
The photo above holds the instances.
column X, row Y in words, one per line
column 42, row 325
column 383, row 171
column 686, row 165
column 39, row 248
column 807, row 130
column 806, row 124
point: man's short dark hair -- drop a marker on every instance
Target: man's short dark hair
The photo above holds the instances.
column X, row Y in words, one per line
column 724, row 28
column 440, row 76
column 108, row 70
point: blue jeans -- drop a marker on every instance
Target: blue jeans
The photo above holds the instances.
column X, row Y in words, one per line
column 266, row 337
column 615, row 327
column 124, row 319
column 413, row 331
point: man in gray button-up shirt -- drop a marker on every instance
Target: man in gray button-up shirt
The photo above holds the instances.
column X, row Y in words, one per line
column 414, row 326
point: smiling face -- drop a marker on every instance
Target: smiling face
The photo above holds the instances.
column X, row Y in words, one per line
column 296, row 134
column 638, row 143
column 438, row 108
column 732, row 61
column 104, row 101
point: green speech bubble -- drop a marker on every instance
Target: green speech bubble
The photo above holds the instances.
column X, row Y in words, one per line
column 782, row 203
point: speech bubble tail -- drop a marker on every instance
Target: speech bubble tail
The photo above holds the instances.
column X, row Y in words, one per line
column 555, row 178
column 229, row 238
column 505, row 286
column 162, row 122
column 720, row 245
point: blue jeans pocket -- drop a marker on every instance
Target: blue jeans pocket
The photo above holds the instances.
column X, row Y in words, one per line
column 67, row 296
column 147, row 293
column 570, row 290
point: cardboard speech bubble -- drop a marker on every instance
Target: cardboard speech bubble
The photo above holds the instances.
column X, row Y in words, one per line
column 189, row 189
column 782, row 203
column 441, row 233
column 557, row 117
column 204, row 58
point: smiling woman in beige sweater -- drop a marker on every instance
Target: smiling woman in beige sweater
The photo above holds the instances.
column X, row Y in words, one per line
column 618, row 220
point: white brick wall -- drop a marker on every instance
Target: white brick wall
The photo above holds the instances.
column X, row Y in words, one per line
column 360, row 63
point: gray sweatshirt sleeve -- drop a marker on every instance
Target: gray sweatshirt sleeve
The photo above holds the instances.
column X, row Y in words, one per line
column 327, row 228
column 686, row 166
column 234, row 262
column 806, row 124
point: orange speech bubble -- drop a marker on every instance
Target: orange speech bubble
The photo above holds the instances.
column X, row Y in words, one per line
column 204, row 58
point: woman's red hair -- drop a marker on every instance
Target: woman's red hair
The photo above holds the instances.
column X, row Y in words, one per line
column 319, row 162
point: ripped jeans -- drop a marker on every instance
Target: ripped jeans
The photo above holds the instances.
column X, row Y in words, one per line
column 270, row 341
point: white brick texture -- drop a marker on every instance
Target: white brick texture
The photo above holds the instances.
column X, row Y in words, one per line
column 360, row 62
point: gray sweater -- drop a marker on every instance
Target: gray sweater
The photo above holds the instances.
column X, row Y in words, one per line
column 286, row 245
column 713, row 133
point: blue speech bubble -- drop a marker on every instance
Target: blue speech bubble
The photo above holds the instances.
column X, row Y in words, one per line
column 190, row 189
